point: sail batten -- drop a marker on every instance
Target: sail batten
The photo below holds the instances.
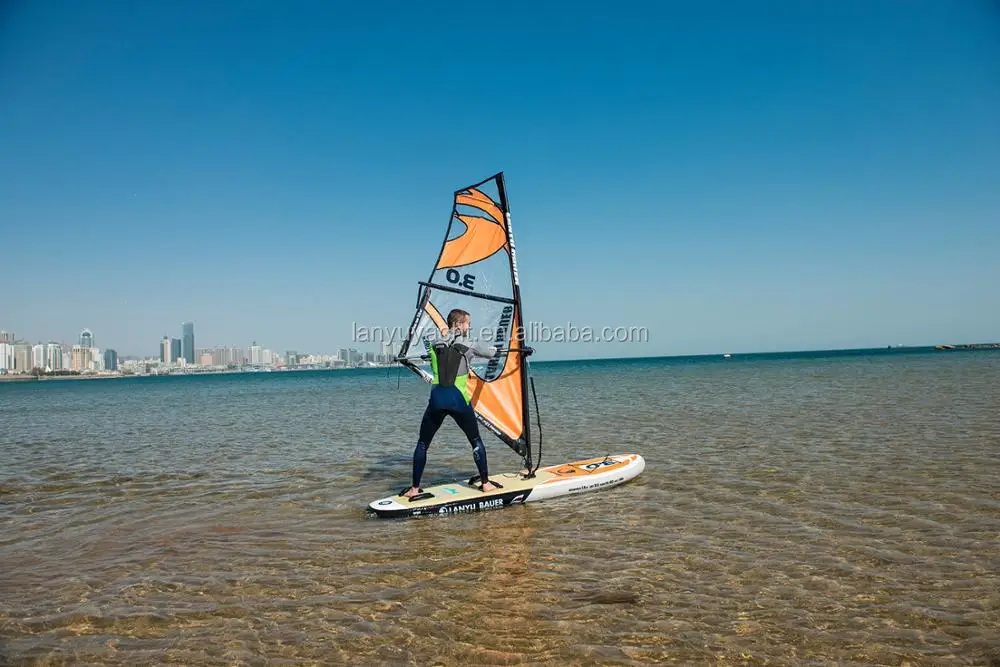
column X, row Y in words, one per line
column 476, row 271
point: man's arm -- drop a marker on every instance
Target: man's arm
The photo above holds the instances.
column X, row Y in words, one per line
column 526, row 351
column 494, row 351
column 487, row 352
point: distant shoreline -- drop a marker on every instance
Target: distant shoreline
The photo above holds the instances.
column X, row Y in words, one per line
column 46, row 378
column 847, row 351
column 122, row 376
column 890, row 349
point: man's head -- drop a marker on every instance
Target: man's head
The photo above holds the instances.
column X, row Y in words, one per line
column 459, row 320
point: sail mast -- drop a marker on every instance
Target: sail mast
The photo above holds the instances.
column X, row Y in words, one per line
column 519, row 334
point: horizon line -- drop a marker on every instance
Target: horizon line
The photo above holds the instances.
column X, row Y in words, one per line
column 789, row 351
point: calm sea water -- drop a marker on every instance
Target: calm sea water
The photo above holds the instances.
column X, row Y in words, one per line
column 796, row 509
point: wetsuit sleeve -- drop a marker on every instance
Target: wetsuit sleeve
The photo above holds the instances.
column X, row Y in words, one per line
column 483, row 351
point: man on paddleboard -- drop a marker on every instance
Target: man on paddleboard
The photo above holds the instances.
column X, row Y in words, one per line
column 451, row 358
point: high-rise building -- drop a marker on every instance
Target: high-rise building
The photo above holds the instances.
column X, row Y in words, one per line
column 22, row 357
column 175, row 350
column 6, row 356
column 165, row 350
column 255, row 353
column 7, row 337
column 86, row 338
column 110, row 360
column 38, row 356
column 291, row 358
column 386, row 352
column 53, row 356
column 187, row 342
column 231, row 356
column 80, row 358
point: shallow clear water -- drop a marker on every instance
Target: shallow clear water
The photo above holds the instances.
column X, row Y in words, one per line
column 803, row 510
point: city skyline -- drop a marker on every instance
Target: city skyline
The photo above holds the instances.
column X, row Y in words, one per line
column 85, row 337
column 20, row 357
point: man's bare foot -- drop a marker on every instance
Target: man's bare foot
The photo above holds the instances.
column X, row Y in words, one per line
column 489, row 486
column 412, row 491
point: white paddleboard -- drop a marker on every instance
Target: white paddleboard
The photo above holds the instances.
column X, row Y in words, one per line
column 551, row 482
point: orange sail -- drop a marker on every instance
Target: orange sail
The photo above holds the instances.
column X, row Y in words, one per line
column 476, row 271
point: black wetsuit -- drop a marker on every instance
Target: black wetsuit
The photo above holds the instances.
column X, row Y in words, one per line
column 450, row 360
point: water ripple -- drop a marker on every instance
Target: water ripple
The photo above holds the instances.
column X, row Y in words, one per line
column 792, row 512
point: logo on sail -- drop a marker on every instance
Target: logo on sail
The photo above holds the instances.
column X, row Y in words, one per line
column 500, row 338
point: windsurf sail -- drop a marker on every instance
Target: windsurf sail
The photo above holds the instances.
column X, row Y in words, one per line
column 476, row 271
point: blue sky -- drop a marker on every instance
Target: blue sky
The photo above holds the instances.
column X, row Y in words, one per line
column 731, row 176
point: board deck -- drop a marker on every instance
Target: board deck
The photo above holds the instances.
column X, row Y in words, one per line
column 549, row 482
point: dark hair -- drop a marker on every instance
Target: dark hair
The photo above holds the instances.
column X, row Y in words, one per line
column 455, row 315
